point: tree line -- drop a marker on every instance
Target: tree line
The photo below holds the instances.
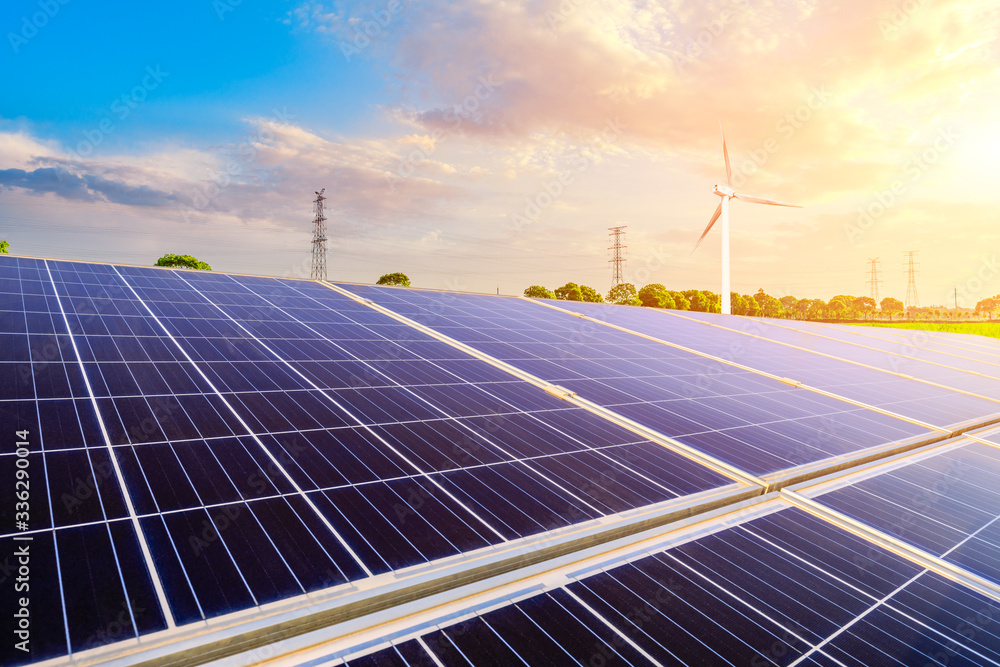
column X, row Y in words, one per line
column 761, row 304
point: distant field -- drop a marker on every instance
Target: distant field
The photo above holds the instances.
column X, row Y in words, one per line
column 991, row 329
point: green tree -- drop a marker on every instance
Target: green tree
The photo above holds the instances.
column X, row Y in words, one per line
column 753, row 308
column 837, row 309
column 803, row 307
column 590, row 294
column 539, row 292
column 656, row 295
column 737, row 304
column 680, row 301
column 4, row 247
column 713, row 302
column 891, row 306
column 865, row 305
column 817, row 309
column 396, row 279
column 624, row 294
column 988, row 306
column 848, row 301
column 769, row 306
column 789, row 304
column 569, row 292
column 183, row 261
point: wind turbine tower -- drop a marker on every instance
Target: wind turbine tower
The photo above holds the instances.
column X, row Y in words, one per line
column 726, row 192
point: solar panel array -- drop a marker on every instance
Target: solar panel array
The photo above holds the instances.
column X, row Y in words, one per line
column 205, row 449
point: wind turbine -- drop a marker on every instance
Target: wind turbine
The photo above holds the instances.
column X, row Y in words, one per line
column 726, row 192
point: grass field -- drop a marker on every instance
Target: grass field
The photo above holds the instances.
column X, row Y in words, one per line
column 991, row 329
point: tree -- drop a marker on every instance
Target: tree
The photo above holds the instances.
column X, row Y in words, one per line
column 737, row 304
column 624, row 294
column 848, row 301
column 753, row 308
column 803, row 307
column 988, row 306
column 769, row 306
column 865, row 305
column 539, row 292
column 680, row 301
column 397, row 279
column 4, row 247
column 713, row 302
column 569, row 292
column 655, row 295
column 590, row 294
column 183, row 261
column 789, row 304
column 891, row 306
column 836, row 309
column 817, row 309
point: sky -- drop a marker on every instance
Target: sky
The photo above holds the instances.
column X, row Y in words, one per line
column 489, row 145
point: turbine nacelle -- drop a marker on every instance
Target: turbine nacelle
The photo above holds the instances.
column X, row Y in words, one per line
column 724, row 191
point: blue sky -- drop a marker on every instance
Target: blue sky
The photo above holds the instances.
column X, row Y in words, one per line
column 222, row 63
column 478, row 145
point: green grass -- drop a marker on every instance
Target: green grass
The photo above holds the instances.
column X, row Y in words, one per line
column 991, row 329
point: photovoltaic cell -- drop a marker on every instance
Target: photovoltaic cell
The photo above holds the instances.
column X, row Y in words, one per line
column 778, row 589
column 947, row 505
column 753, row 422
column 271, row 438
column 767, row 348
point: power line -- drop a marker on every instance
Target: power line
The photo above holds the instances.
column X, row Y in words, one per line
column 618, row 260
column 319, row 239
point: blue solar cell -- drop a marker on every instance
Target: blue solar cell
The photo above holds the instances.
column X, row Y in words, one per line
column 947, row 504
column 673, row 391
column 776, row 589
column 858, row 383
column 47, row 631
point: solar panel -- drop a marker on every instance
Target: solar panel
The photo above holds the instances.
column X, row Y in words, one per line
column 218, row 462
column 781, row 587
column 945, row 502
column 209, row 444
column 725, row 411
column 882, row 378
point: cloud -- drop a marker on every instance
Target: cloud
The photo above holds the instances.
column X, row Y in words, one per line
column 85, row 187
column 668, row 71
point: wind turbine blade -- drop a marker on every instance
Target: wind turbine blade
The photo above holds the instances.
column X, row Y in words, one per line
column 725, row 154
column 715, row 216
column 758, row 200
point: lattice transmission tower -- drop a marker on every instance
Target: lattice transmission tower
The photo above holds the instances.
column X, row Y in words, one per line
column 319, row 239
column 617, row 260
column 910, row 263
column 873, row 280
